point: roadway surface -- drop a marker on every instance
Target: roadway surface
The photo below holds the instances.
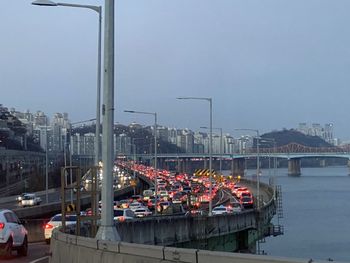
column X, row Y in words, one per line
column 37, row 253
column 11, row 203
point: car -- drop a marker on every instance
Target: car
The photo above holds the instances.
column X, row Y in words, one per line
column 246, row 194
column 163, row 206
column 147, row 194
column 56, row 221
column 221, row 210
column 135, row 205
column 30, row 200
column 121, row 215
column 136, row 198
column 13, row 235
column 20, row 197
column 124, row 203
column 187, row 189
column 241, row 190
column 247, row 202
column 236, row 207
column 142, row 212
column 196, row 212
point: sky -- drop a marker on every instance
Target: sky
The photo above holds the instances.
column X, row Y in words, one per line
column 267, row 65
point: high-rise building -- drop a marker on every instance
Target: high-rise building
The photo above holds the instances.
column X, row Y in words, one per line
column 123, row 144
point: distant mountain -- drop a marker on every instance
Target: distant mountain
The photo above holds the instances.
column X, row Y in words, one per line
column 285, row 137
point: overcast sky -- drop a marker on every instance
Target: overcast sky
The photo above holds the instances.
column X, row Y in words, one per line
column 267, row 64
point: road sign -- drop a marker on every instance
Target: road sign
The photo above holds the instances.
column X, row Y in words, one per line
column 70, row 207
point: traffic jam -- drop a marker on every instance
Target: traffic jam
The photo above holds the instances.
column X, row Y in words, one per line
column 177, row 194
column 181, row 193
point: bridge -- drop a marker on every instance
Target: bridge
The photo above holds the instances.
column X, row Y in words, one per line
column 293, row 152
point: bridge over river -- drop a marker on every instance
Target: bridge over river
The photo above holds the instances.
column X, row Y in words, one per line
column 188, row 162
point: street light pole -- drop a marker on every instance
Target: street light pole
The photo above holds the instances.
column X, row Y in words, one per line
column 257, row 164
column 274, row 163
column 221, row 148
column 155, row 152
column 98, row 9
column 46, row 165
column 107, row 230
column 210, row 100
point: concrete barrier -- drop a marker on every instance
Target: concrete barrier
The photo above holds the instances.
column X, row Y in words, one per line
column 35, row 228
column 68, row 248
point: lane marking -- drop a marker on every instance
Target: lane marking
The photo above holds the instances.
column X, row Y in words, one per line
column 39, row 259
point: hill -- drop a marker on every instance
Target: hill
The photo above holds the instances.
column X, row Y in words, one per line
column 285, row 137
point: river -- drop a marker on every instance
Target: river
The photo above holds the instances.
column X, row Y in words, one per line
column 316, row 208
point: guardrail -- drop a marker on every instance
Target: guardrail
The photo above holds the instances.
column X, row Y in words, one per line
column 70, row 248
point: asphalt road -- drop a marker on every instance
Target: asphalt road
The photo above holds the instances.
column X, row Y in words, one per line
column 37, row 253
column 13, row 204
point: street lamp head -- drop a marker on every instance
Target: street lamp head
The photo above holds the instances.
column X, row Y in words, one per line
column 130, row 111
column 44, row 3
column 194, row 98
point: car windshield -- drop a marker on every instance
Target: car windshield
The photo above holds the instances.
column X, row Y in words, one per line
column 118, row 212
column 220, row 209
column 28, row 197
column 68, row 218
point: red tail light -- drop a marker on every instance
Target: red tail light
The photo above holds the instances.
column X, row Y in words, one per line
column 2, row 225
column 48, row 226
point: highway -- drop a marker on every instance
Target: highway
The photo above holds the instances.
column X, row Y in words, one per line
column 11, row 203
column 37, row 253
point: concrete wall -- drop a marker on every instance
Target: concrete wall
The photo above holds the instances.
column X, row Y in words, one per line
column 35, row 228
column 67, row 248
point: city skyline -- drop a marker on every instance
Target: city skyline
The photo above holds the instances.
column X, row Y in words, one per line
column 57, row 133
column 307, row 128
column 257, row 61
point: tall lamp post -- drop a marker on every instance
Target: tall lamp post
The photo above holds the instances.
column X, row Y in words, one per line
column 46, row 164
column 221, row 148
column 257, row 164
column 210, row 100
column 107, row 230
column 98, row 9
column 274, row 161
column 155, row 151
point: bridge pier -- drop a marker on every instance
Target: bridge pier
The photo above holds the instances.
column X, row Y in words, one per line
column 205, row 165
column 238, row 166
column 294, row 167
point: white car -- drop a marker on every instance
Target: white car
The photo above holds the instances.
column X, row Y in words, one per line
column 142, row 212
column 55, row 222
column 236, row 207
column 20, row 197
column 30, row 200
column 221, row 210
column 13, row 235
column 121, row 215
column 135, row 205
